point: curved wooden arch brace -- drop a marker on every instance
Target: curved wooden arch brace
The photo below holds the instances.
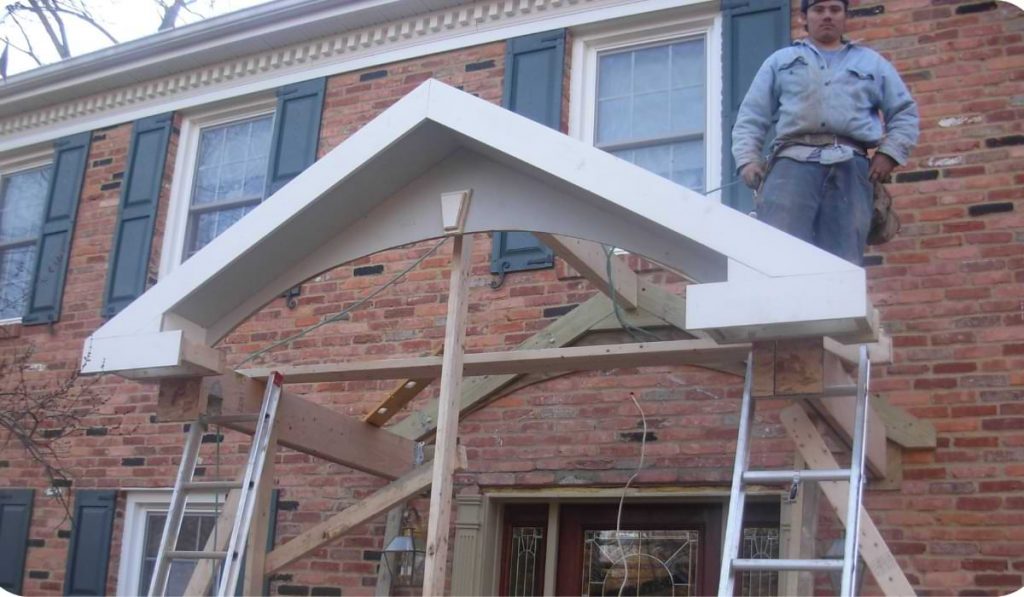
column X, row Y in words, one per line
column 382, row 188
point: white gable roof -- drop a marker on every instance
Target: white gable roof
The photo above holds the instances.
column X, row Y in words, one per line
column 381, row 188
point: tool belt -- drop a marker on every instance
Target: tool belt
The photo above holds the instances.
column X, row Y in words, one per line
column 822, row 140
column 885, row 222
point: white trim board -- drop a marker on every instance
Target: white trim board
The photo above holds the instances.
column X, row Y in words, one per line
column 392, row 40
column 382, row 188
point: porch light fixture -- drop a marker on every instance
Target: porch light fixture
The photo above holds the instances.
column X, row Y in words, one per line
column 405, row 555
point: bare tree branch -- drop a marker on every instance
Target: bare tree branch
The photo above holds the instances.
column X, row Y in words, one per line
column 59, row 42
column 31, row 51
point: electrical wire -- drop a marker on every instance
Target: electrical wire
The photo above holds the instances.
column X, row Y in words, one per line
column 344, row 312
column 622, row 500
column 635, row 331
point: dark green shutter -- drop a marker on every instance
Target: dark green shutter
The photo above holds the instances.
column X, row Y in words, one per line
column 751, row 31
column 15, row 517
column 296, row 131
column 140, row 195
column 533, row 88
column 89, row 548
column 70, row 157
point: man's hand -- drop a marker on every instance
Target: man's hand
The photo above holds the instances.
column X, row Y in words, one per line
column 753, row 174
column 881, row 167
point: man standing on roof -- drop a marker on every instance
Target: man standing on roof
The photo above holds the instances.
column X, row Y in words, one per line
column 831, row 101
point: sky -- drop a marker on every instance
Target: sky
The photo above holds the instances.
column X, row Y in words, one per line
column 125, row 19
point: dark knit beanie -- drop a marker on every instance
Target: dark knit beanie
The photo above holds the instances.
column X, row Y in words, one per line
column 805, row 4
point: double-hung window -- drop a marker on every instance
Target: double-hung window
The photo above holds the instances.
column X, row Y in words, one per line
column 22, row 202
column 649, row 93
column 221, row 175
column 230, row 177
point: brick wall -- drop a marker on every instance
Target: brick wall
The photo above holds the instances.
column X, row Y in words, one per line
column 950, row 289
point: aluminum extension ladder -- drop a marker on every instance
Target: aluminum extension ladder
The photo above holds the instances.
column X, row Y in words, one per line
column 184, row 484
column 731, row 562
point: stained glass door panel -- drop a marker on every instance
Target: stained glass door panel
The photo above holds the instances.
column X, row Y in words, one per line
column 640, row 562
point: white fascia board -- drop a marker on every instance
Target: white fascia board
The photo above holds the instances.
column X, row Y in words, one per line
column 161, row 354
column 751, row 309
column 203, row 296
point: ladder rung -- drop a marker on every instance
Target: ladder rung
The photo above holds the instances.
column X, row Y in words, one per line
column 228, row 419
column 211, row 485
column 197, row 555
column 784, row 565
column 839, row 474
column 840, row 391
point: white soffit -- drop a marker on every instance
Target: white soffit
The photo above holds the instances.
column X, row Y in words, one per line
column 382, row 188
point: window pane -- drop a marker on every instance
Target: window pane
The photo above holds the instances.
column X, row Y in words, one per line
column 687, row 115
column 651, row 108
column 22, row 203
column 615, row 75
column 209, row 225
column 651, row 69
column 682, row 163
column 613, row 120
column 651, row 115
column 16, row 266
column 522, row 573
column 688, row 64
column 195, row 531
column 635, row 562
column 231, row 162
column 760, row 543
column 231, row 167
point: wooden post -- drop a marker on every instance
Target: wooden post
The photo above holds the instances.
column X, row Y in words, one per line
column 203, row 573
column 259, row 527
column 800, row 518
column 445, row 455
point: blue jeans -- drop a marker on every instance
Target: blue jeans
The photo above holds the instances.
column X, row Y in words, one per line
column 828, row 206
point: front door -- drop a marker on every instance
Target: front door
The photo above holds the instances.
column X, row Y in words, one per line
column 660, row 549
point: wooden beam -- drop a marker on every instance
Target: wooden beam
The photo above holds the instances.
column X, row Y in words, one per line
column 370, row 507
column 904, row 428
column 590, row 260
column 311, row 428
column 446, row 452
column 259, row 527
column 873, row 548
column 542, row 360
column 840, row 411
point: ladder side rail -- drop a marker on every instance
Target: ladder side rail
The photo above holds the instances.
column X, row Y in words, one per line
column 737, row 496
column 176, row 509
column 856, row 489
column 253, row 471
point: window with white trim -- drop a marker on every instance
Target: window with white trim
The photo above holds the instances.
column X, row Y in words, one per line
column 145, row 514
column 23, row 191
column 650, row 93
column 220, row 175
